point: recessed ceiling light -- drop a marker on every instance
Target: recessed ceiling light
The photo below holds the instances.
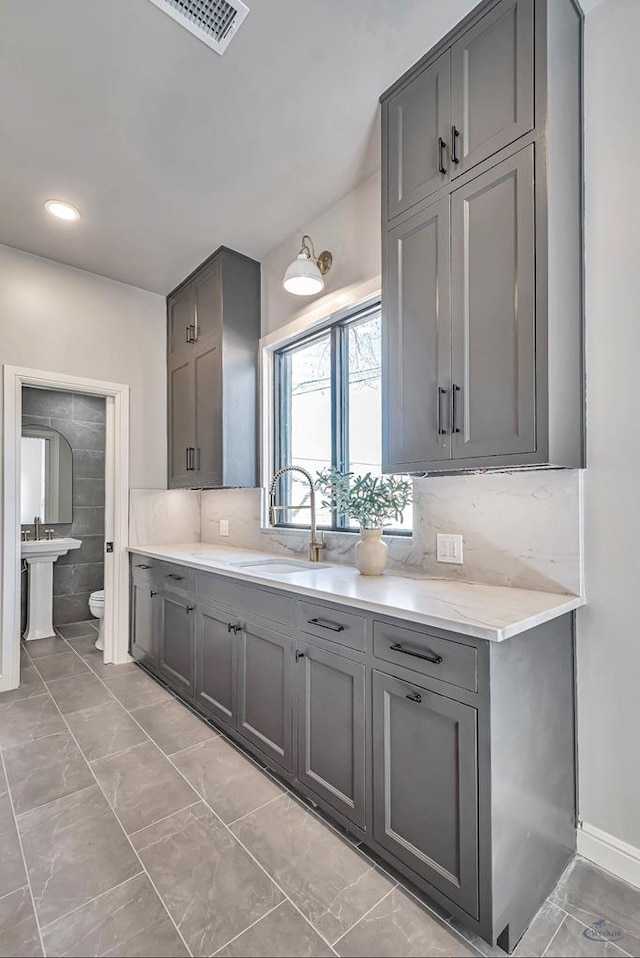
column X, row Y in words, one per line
column 63, row 211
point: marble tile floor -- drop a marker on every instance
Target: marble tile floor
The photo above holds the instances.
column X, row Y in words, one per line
column 129, row 827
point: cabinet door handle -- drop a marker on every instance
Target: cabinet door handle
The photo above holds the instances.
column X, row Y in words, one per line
column 454, row 408
column 152, row 593
column 326, row 624
column 432, row 657
column 441, row 148
column 441, row 394
column 414, row 697
column 189, row 609
column 143, row 566
column 187, row 330
column 455, row 133
column 232, row 627
column 299, row 655
column 174, row 575
column 198, row 459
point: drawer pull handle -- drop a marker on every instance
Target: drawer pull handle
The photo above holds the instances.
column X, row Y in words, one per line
column 414, row 697
column 174, row 575
column 326, row 624
column 232, row 627
column 190, row 608
column 143, row 567
column 432, row 657
column 152, row 593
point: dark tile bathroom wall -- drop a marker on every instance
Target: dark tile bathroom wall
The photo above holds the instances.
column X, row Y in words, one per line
column 81, row 420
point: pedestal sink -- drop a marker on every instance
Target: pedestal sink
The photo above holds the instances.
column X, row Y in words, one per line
column 40, row 556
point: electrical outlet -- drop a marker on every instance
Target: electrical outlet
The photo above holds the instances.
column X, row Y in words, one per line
column 223, row 527
column 449, row 549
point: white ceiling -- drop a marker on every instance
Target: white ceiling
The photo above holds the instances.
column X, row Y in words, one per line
column 170, row 150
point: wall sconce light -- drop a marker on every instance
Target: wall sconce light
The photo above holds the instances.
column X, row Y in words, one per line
column 304, row 277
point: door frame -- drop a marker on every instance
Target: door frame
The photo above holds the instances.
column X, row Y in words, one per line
column 116, row 584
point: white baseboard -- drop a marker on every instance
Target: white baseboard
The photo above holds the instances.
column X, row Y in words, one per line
column 610, row 853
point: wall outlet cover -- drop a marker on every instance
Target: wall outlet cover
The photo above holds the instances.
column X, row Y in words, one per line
column 449, row 548
column 223, row 527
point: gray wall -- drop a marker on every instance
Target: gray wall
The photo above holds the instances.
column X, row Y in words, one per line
column 81, row 420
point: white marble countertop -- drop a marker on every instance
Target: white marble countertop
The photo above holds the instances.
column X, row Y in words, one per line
column 483, row 611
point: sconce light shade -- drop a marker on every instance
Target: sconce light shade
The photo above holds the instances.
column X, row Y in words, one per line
column 304, row 277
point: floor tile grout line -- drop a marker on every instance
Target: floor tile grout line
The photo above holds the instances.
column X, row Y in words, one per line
column 24, row 860
column 95, row 898
column 52, row 801
column 258, row 808
column 606, row 941
column 118, row 753
column 164, row 819
column 553, row 937
column 151, row 882
column 362, row 917
column 252, row 925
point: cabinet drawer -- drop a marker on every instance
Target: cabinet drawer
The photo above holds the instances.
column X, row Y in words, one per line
column 247, row 599
column 344, row 628
column 427, row 653
column 168, row 576
column 143, row 565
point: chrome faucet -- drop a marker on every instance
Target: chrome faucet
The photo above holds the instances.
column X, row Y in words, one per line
column 316, row 545
column 36, row 528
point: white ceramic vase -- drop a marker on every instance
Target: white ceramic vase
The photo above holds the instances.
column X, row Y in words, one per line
column 371, row 552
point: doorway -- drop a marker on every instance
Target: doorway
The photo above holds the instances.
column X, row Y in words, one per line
column 116, row 483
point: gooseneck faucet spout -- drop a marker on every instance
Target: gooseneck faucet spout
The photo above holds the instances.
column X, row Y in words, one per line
column 316, row 544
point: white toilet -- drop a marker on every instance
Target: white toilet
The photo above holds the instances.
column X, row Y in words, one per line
column 96, row 605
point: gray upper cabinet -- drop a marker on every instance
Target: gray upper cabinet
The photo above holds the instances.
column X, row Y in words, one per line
column 482, row 285
column 426, row 794
column 492, row 84
column 176, row 640
column 330, row 711
column 418, row 119
column 213, row 332
column 418, row 343
column 265, row 693
column 493, row 346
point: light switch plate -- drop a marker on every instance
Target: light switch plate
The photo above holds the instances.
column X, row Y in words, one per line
column 449, row 549
column 223, row 527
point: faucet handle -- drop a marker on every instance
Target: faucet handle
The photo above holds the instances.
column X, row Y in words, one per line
column 49, row 533
column 25, row 535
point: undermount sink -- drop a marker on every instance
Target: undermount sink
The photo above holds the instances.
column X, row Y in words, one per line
column 40, row 554
column 48, row 548
column 278, row 566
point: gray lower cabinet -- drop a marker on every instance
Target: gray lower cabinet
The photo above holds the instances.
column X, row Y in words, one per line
column 216, row 664
column 176, row 640
column 143, row 633
column 330, row 717
column 493, row 313
column 426, row 785
column 265, row 691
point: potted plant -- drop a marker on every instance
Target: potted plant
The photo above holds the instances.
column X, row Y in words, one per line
column 374, row 502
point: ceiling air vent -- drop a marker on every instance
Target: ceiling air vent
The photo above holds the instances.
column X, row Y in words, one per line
column 215, row 22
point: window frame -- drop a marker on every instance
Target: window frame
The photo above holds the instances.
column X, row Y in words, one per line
column 338, row 331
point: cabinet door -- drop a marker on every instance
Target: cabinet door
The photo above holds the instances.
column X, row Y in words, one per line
column 331, row 721
column 208, row 413
column 181, row 423
column 493, row 307
column 492, row 83
column 417, row 120
column 265, row 701
column 417, row 337
column 425, row 785
column 217, row 664
column 207, row 292
column 180, row 323
column 176, row 641
column 143, row 633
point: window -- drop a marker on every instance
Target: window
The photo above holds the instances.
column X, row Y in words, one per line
column 328, row 410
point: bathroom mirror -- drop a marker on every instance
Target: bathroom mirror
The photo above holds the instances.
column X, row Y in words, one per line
column 45, row 476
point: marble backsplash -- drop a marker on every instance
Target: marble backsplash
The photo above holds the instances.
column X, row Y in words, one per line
column 521, row 529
